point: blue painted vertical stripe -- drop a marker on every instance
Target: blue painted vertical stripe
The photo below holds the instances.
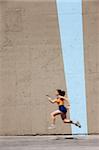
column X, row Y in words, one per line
column 70, row 23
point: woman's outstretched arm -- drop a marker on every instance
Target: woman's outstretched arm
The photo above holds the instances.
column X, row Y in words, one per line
column 50, row 99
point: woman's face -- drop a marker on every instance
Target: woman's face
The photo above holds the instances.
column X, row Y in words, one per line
column 56, row 93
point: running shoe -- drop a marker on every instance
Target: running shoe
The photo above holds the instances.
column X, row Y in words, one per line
column 78, row 124
column 52, row 127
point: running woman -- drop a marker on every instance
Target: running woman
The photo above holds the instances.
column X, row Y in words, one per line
column 60, row 98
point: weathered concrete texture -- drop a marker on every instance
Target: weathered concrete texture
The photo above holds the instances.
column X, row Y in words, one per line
column 49, row 143
column 91, row 46
column 31, row 66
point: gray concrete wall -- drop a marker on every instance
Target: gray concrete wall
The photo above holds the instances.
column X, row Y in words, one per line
column 91, row 46
column 30, row 67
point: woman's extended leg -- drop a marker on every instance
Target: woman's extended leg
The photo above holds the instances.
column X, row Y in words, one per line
column 53, row 118
column 65, row 120
column 72, row 122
